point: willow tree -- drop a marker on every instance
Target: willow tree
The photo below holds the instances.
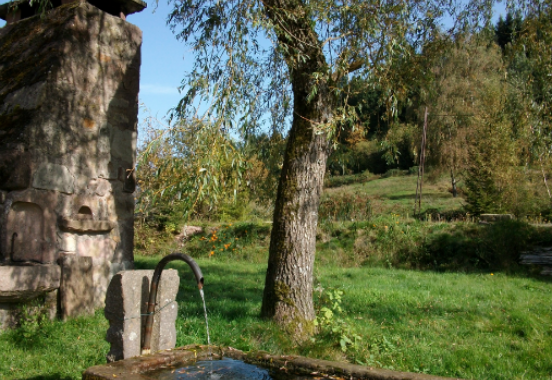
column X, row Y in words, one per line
column 279, row 64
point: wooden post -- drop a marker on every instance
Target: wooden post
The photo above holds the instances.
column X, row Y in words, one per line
column 421, row 164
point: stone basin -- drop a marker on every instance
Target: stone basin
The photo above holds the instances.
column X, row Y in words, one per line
column 140, row 368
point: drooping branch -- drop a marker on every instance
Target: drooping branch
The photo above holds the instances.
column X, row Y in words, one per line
column 354, row 66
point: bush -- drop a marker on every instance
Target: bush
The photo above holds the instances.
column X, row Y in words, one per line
column 394, row 173
column 496, row 247
column 338, row 181
column 345, row 207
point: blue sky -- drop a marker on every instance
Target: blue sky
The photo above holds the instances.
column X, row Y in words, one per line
column 164, row 60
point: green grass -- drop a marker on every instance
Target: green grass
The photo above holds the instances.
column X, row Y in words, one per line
column 473, row 326
column 54, row 350
column 397, row 194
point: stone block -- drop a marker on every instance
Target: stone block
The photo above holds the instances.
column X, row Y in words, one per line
column 77, row 286
column 119, row 267
column 15, row 170
column 67, row 242
column 84, row 225
column 123, row 144
column 101, row 276
column 29, row 233
column 27, row 98
column 97, row 247
column 20, row 283
column 54, row 177
column 100, row 187
column 126, row 304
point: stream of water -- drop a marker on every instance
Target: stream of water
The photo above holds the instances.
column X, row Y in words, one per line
column 206, row 323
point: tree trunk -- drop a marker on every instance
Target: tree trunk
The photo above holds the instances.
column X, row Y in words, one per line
column 453, row 180
column 288, row 288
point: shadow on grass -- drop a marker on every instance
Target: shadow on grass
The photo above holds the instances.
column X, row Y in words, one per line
column 230, row 290
column 413, row 196
column 49, row 377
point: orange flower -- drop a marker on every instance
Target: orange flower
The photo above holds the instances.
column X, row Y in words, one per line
column 212, row 253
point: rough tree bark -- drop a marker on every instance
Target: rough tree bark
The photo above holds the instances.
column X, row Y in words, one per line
column 288, row 289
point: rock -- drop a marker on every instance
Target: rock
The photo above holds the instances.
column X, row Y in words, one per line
column 97, row 247
column 77, row 286
column 187, row 232
column 84, row 225
column 125, row 304
column 100, row 186
column 54, row 177
column 21, row 283
column 67, row 242
column 101, row 276
column 15, row 170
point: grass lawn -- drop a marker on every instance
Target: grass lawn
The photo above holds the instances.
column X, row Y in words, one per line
column 397, row 194
column 473, row 326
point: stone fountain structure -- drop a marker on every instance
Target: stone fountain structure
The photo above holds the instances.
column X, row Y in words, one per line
column 69, row 81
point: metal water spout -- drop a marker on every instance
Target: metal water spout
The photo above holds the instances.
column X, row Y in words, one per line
column 146, row 348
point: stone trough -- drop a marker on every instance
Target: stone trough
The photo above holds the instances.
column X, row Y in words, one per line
column 150, row 366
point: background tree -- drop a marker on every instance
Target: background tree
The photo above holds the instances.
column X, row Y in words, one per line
column 463, row 82
column 282, row 61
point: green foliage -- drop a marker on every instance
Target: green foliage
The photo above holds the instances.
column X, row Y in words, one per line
column 265, row 156
column 507, row 30
column 330, row 324
column 348, row 207
column 31, row 316
column 338, row 181
column 482, row 194
column 191, row 169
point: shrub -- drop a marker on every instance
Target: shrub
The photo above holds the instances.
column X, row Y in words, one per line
column 496, row 246
column 345, row 207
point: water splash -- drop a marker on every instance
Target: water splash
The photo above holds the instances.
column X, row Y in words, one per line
column 206, row 323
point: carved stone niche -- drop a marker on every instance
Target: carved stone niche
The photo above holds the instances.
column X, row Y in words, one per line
column 29, row 232
column 85, row 217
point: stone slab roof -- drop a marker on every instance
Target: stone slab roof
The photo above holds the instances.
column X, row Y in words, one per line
column 125, row 6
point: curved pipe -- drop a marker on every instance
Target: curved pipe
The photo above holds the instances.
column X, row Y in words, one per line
column 153, row 292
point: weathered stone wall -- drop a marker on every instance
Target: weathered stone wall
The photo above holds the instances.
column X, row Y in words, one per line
column 68, row 119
